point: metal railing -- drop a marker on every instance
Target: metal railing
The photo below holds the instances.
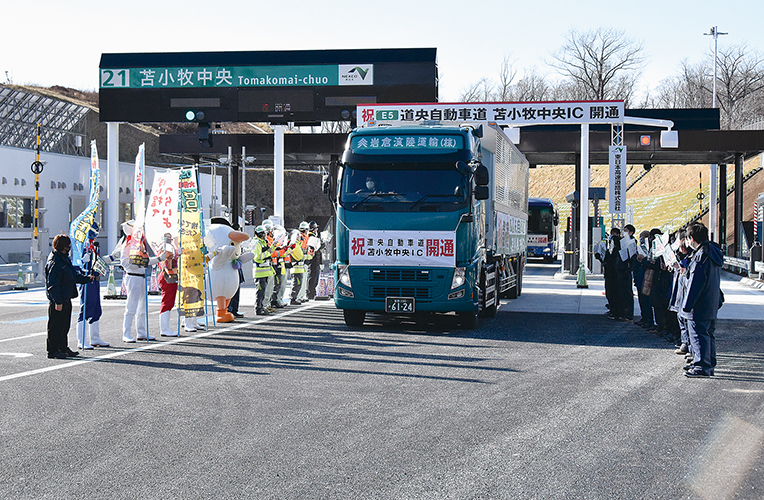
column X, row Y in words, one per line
column 9, row 273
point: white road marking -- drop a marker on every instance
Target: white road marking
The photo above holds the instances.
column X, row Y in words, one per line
column 154, row 345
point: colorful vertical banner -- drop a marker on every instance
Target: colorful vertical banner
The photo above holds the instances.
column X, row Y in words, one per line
column 138, row 251
column 162, row 209
column 191, row 265
column 83, row 224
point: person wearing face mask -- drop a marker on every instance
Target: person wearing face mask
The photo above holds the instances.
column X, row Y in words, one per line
column 645, row 309
column 612, row 290
column 61, row 280
column 702, row 301
column 369, row 187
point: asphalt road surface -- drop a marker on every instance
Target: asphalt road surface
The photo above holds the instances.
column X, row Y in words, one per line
column 538, row 402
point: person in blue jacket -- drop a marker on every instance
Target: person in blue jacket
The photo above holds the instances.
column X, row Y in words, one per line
column 702, row 300
column 61, row 287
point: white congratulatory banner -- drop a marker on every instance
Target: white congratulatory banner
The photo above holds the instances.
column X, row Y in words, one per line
column 617, row 185
column 402, row 248
column 502, row 113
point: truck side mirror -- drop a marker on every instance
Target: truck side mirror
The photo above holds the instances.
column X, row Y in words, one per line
column 481, row 175
column 481, row 192
column 330, row 183
column 462, row 168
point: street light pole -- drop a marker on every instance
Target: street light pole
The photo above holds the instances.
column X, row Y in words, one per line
column 712, row 210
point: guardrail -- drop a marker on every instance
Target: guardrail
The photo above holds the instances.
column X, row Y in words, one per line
column 10, row 272
column 743, row 266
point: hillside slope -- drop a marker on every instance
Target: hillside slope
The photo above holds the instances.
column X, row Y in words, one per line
column 665, row 197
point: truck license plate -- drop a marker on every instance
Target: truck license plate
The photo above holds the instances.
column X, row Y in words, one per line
column 399, row 304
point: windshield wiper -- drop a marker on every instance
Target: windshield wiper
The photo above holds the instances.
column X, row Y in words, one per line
column 420, row 200
column 381, row 195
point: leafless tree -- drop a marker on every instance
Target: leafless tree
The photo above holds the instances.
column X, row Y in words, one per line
column 740, row 85
column 531, row 87
column 603, row 63
column 507, row 74
column 479, row 91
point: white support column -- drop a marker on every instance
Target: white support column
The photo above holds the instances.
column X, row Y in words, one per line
column 112, row 187
column 583, row 248
column 230, row 182
column 713, row 214
column 243, row 183
column 213, row 198
column 278, row 172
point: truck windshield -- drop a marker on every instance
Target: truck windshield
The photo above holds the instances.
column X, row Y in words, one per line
column 433, row 187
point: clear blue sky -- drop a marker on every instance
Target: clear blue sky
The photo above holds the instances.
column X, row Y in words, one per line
column 54, row 42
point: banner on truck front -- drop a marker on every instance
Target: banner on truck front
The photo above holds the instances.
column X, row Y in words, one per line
column 402, row 248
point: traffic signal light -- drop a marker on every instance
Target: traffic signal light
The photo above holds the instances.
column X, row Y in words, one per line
column 195, row 116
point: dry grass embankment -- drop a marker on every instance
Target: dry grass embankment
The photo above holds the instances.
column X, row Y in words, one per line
column 665, row 197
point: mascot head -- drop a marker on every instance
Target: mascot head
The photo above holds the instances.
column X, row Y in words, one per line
column 219, row 235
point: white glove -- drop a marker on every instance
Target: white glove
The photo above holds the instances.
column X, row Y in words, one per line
column 116, row 253
column 162, row 256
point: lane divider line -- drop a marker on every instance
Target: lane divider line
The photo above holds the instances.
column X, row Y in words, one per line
column 154, row 345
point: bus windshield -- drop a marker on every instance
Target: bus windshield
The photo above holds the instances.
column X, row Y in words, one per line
column 433, row 187
column 541, row 221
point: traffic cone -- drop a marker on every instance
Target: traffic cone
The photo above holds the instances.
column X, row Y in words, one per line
column 581, row 281
column 20, row 283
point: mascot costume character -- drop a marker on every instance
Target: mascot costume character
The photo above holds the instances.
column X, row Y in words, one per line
column 224, row 244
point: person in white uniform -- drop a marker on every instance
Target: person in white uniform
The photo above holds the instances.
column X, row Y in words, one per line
column 135, row 262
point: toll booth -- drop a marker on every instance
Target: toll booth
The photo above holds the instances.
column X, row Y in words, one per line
column 571, row 258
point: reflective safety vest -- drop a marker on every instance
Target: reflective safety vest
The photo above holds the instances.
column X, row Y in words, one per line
column 262, row 259
column 297, row 256
column 306, row 250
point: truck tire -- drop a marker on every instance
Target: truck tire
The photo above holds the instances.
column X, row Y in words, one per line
column 468, row 320
column 354, row 317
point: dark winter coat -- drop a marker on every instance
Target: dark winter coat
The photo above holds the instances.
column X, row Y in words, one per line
column 701, row 302
column 61, row 278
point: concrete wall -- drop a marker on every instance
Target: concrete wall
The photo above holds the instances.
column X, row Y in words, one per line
column 55, row 202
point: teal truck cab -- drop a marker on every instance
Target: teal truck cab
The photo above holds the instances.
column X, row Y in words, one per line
column 429, row 219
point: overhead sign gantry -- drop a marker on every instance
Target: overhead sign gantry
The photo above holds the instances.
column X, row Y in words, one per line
column 304, row 87
column 522, row 114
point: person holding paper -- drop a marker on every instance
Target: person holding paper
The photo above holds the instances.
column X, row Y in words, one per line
column 645, row 309
column 702, row 301
column 624, row 261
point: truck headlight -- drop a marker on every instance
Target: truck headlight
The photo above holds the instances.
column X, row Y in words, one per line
column 458, row 279
column 344, row 275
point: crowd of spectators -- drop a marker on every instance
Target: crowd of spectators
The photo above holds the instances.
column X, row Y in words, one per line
column 677, row 279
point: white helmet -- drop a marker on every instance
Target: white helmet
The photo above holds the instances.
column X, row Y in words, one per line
column 304, row 226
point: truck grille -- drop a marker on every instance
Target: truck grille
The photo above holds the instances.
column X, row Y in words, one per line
column 399, row 275
column 380, row 292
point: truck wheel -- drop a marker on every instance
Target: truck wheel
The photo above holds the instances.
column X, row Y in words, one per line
column 468, row 319
column 353, row 317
